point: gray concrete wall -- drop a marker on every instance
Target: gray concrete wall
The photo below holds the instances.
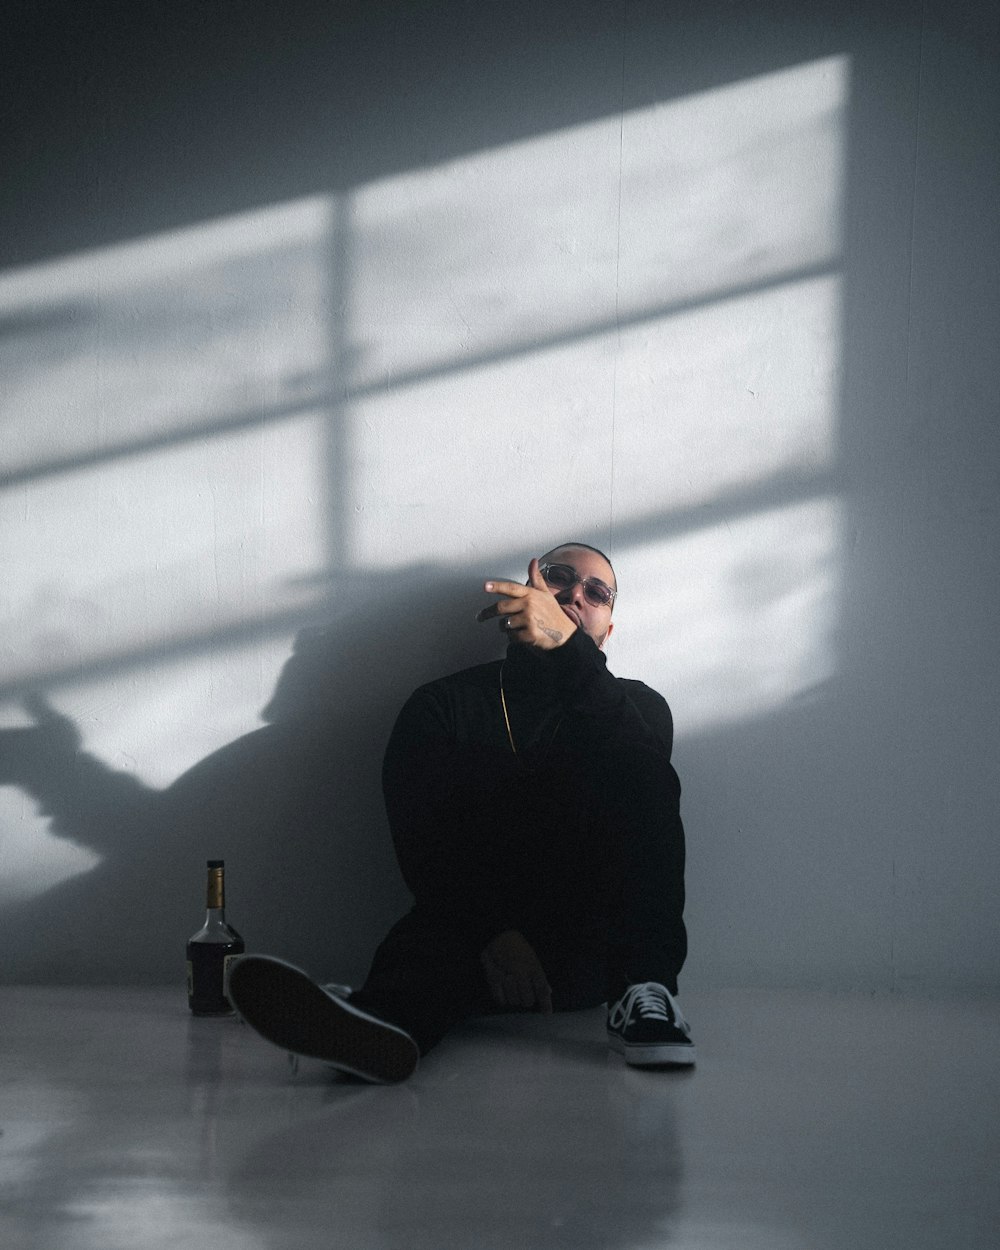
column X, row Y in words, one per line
column 311, row 319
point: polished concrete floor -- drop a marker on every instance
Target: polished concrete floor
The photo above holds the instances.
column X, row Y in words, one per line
column 811, row 1121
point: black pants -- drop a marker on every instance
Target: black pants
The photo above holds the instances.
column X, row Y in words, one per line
column 601, row 904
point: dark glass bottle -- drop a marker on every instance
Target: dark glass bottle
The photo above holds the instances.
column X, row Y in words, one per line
column 211, row 949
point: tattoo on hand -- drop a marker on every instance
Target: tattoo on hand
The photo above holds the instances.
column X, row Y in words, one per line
column 554, row 634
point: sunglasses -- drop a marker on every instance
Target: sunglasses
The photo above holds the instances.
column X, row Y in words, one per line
column 563, row 576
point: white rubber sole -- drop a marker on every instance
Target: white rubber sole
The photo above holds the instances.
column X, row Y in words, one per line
column 678, row 1055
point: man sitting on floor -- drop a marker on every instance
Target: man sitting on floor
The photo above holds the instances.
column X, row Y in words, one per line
column 535, row 816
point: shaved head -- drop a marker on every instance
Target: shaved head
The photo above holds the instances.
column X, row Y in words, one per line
column 581, row 547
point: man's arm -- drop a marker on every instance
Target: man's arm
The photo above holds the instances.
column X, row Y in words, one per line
column 514, row 973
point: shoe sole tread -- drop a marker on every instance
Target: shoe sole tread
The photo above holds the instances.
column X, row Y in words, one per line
column 288, row 1009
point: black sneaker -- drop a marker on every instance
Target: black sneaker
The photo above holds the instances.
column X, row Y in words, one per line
column 289, row 1009
column 646, row 1026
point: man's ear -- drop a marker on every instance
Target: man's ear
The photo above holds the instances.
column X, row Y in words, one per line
column 611, row 626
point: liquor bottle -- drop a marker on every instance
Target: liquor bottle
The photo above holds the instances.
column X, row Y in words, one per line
column 211, row 949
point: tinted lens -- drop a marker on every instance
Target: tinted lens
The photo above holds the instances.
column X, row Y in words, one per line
column 597, row 593
column 559, row 575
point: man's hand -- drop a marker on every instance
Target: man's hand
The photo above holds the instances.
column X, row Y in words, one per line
column 515, row 976
column 530, row 614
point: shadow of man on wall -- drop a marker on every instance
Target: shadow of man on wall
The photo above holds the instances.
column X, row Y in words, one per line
column 294, row 807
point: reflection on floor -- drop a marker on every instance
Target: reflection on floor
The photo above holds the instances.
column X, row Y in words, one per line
column 811, row 1121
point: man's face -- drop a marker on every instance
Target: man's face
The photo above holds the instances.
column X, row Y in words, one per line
column 594, row 620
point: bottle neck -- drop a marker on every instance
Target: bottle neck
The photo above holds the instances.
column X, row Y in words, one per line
column 216, row 895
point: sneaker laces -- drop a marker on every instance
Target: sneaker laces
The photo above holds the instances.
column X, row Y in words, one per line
column 648, row 1000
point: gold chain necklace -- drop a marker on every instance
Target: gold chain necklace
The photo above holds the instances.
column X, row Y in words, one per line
column 506, row 716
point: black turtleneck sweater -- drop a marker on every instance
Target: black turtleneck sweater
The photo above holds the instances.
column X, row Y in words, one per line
column 488, row 839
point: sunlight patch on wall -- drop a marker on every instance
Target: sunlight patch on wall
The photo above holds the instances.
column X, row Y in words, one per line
column 163, row 337
column 735, row 619
column 597, row 225
column 463, row 467
column 161, row 550
column 735, row 400
column 33, row 860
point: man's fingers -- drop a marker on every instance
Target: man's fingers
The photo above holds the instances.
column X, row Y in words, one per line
column 543, row 993
column 512, row 598
column 513, row 590
column 535, row 578
column 515, row 976
column 509, row 988
column 541, row 990
column 494, row 976
column 492, row 610
column 517, row 990
column 503, row 607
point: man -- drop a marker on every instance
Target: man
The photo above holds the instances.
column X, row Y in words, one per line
column 534, row 813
